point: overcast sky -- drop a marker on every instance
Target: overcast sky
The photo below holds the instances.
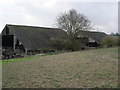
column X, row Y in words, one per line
column 43, row 13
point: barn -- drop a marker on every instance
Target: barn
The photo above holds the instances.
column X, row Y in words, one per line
column 27, row 39
column 95, row 38
column 91, row 38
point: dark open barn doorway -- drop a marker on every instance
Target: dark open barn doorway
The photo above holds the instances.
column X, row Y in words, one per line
column 11, row 47
column 7, row 41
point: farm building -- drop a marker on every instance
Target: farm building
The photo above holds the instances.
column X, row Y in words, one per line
column 92, row 39
column 95, row 38
column 28, row 38
column 31, row 38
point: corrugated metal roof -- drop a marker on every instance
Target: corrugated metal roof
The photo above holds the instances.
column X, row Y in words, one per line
column 97, row 36
column 40, row 37
column 34, row 37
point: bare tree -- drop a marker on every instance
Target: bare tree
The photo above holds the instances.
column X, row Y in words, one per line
column 73, row 22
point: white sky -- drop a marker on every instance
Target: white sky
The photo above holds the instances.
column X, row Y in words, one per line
column 103, row 14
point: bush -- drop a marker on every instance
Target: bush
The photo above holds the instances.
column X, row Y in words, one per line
column 67, row 43
column 74, row 44
column 57, row 44
column 110, row 41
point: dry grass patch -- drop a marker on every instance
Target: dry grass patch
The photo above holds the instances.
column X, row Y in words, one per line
column 93, row 68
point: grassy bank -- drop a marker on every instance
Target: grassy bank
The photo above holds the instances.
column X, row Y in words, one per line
column 92, row 68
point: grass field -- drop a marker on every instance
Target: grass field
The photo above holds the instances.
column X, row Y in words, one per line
column 90, row 69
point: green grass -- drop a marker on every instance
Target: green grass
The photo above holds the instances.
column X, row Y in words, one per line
column 26, row 58
column 15, row 59
column 82, row 69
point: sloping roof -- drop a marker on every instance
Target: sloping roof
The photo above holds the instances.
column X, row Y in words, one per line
column 97, row 36
column 40, row 37
column 34, row 37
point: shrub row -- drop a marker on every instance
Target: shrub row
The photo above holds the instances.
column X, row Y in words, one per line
column 110, row 41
